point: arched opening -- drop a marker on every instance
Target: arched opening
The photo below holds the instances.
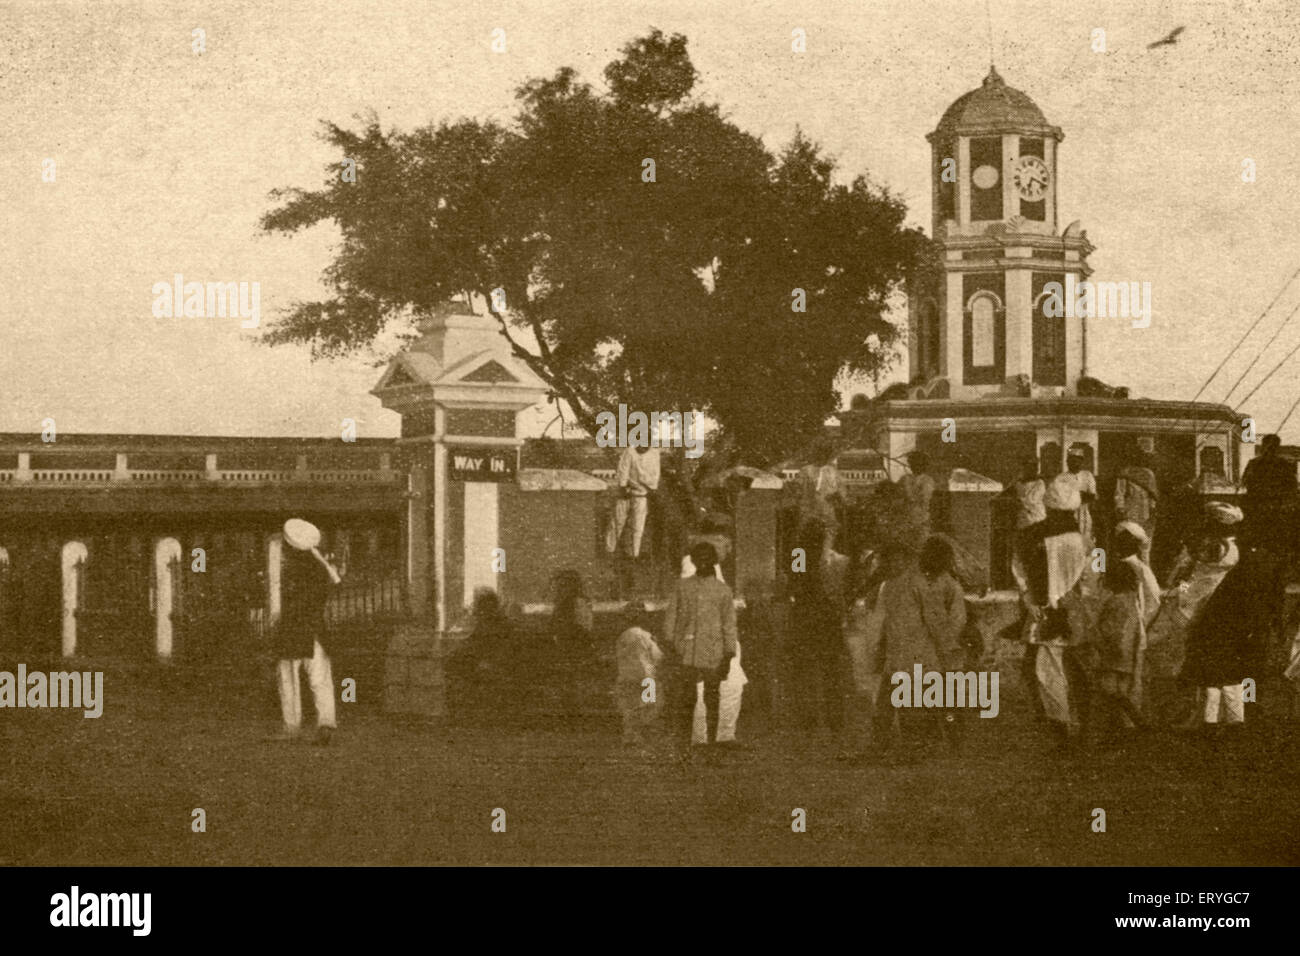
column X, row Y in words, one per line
column 166, row 559
column 985, row 339
column 7, row 602
column 983, row 316
column 73, row 563
column 1048, row 345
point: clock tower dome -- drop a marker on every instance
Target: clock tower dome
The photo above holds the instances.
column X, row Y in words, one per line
column 977, row 320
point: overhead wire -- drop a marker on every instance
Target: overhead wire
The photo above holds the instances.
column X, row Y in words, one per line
column 1232, row 351
column 1260, row 354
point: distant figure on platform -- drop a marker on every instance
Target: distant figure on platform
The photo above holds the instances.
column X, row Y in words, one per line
column 306, row 578
column 638, row 659
column 700, row 628
column 1270, row 483
column 636, row 477
column 918, row 485
column 819, row 490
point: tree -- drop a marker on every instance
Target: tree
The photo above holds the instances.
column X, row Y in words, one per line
column 666, row 292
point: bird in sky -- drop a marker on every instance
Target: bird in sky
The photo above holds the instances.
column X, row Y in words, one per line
column 1168, row 40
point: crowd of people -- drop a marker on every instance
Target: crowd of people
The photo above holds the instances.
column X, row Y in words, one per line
column 683, row 686
column 1141, row 633
column 1116, row 641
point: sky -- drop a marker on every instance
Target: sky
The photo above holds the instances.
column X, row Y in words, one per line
column 164, row 160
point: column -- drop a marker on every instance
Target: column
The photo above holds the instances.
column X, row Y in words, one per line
column 953, row 329
column 1010, row 195
column 1019, row 323
column 440, row 519
column 416, row 532
column 963, row 180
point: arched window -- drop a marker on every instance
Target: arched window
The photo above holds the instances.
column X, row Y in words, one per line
column 1048, row 344
column 984, row 332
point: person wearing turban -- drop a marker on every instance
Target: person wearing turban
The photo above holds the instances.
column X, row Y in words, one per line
column 1197, row 578
column 1048, row 566
column 306, row 581
column 1228, row 640
column 1129, row 544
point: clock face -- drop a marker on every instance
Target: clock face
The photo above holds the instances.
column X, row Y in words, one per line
column 1031, row 177
column 985, row 177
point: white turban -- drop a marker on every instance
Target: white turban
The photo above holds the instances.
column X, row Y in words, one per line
column 302, row 535
column 1063, row 493
column 1223, row 513
column 1134, row 529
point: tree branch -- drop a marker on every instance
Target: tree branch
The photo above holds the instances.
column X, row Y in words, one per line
column 540, row 364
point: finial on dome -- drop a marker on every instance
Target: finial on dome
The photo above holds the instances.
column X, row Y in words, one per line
column 994, row 78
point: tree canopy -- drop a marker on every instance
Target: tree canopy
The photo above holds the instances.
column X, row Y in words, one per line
column 665, row 291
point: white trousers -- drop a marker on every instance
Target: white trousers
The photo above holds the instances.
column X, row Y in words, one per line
column 730, row 692
column 321, row 679
column 1053, row 684
column 1229, row 700
column 637, row 507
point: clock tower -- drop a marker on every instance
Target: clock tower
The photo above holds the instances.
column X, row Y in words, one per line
column 977, row 325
